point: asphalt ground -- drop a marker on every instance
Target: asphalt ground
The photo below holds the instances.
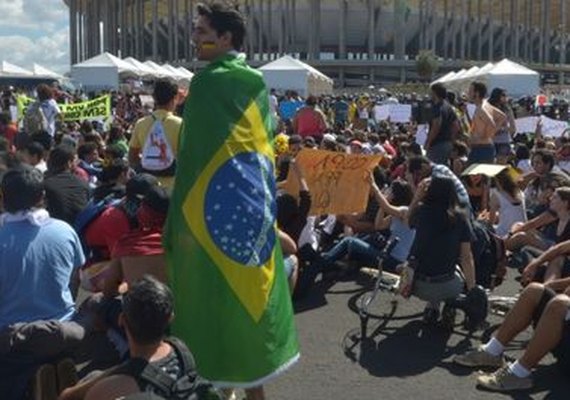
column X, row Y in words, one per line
column 399, row 358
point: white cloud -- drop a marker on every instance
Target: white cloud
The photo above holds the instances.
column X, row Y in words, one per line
column 35, row 31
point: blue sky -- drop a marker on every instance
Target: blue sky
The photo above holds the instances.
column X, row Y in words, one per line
column 35, row 31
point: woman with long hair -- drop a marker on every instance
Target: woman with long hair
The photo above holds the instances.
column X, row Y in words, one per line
column 502, row 139
column 507, row 204
column 443, row 240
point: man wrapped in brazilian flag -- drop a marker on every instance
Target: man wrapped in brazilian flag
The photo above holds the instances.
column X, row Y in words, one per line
column 233, row 307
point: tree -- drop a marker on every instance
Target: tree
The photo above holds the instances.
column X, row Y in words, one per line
column 427, row 64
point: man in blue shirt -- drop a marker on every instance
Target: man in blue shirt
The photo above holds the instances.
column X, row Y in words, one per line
column 38, row 257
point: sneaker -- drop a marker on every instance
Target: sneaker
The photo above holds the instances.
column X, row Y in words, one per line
column 431, row 315
column 503, row 380
column 66, row 374
column 479, row 358
column 44, row 384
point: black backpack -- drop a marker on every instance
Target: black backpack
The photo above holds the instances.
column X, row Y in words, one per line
column 489, row 256
column 153, row 379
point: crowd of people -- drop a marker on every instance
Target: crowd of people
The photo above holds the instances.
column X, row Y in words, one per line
column 84, row 205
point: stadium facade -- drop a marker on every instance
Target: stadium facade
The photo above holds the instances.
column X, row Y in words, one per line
column 351, row 40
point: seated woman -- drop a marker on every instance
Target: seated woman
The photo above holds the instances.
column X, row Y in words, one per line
column 443, row 239
column 534, row 233
column 507, row 204
column 392, row 215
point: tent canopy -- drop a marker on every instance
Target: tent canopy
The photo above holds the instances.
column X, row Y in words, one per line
column 143, row 69
column 12, row 70
column 103, row 72
column 42, row 71
column 288, row 73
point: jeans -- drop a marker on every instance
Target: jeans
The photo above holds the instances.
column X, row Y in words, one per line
column 360, row 251
column 482, row 154
column 440, row 153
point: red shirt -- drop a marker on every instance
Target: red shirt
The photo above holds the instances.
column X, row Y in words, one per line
column 106, row 230
column 309, row 123
column 10, row 133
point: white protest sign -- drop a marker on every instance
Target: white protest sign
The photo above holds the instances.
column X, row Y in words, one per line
column 382, row 113
column 422, row 134
column 552, row 127
column 471, row 110
column 401, row 113
column 526, row 124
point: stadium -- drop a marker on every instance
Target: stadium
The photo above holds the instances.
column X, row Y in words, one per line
column 353, row 41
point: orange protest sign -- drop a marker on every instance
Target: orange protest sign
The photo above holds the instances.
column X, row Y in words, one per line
column 336, row 180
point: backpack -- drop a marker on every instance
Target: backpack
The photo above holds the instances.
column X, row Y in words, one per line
column 35, row 120
column 86, row 217
column 153, row 379
column 157, row 155
column 489, row 256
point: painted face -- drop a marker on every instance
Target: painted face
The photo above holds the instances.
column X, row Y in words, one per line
column 206, row 40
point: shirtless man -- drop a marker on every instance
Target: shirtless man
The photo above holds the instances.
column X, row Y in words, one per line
column 487, row 121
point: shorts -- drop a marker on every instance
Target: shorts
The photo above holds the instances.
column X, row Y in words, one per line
column 289, row 263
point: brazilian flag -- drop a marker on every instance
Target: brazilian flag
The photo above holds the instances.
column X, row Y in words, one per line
column 232, row 300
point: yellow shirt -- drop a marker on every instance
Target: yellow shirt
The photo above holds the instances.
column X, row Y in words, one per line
column 172, row 125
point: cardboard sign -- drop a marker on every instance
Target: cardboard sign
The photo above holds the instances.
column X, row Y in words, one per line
column 422, row 134
column 381, row 113
column 526, row 124
column 401, row 113
column 489, row 170
column 336, row 180
column 552, row 127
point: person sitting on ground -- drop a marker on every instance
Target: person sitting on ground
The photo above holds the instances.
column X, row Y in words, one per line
column 34, row 155
column 506, row 204
column 538, row 305
column 140, row 251
column 66, row 194
column 443, row 240
column 290, row 260
column 158, row 365
column 38, row 259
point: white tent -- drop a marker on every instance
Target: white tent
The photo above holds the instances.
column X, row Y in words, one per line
column 11, row 70
column 144, row 70
column 160, row 72
column 176, row 74
column 516, row 79
column 444, row 78
column 102, row 72
column 288, row 73
column 43, row 72
column 185, row 72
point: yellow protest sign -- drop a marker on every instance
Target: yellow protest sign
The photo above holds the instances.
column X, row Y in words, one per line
column 336, row 180
column 98, row 108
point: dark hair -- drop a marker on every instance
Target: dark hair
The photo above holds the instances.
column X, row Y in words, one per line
column 5, row 117
column 148, row 307
column 116, row 133
column 441, row 197
column 546, row 156
column 287, row 210
column 495, row 98
column 44, row 92
column 507, row 183
column 522, row 152
column 115, row 152
column 225, row 19
column 35, row 149
column 113, row 171
column 415, row 163
column 402, row 193
column 85, row 149
column 480, row 89
column 22, row 189
column 311, row 101
column 157, row 199
column 460, row 148
column 59, row 158
column 164, row 91
column 439, row 90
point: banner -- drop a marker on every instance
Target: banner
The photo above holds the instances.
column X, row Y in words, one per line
column 526, row 124
column 98, row 108
column 401, row 113
column 552, row 127
column 336, row 180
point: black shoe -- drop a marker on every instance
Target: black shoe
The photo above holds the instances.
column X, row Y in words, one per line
column 431, row 315
column 448, row 317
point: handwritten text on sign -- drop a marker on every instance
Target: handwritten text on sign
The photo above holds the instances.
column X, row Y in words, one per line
column 336, row 180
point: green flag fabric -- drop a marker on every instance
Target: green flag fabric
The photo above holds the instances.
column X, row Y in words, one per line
column 233, row 306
